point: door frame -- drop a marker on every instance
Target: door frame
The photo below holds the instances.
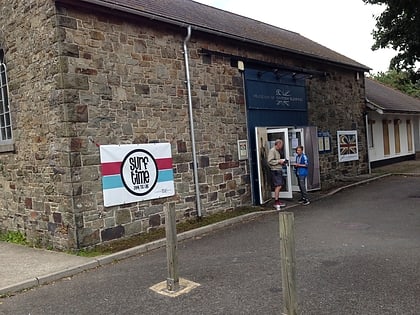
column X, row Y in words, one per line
column 292, row 152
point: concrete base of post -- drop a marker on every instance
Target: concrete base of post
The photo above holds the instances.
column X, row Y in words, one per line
column 184, row 286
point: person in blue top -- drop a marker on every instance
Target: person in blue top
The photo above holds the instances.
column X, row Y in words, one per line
column 301, row 170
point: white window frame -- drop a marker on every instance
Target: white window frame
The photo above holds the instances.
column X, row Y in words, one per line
column 6, row 133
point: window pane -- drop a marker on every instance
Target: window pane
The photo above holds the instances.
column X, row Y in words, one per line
column 6, row 101
column 8, row 133
column 2, row 121
column 7, row 120
column 3, row 74
column 3, row 134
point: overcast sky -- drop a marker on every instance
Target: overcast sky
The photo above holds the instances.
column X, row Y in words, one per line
column 344, row 26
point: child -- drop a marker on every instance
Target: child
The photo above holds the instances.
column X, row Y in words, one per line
column 301, row 169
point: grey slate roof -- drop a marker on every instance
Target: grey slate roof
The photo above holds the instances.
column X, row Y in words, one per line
column 390, row 100
column 223, row 23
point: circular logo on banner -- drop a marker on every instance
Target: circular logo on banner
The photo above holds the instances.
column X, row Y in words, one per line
column 139, row 172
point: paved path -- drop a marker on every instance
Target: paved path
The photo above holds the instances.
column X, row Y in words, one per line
column 358, row 252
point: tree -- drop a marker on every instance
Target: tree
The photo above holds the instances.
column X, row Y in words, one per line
column 399, row 27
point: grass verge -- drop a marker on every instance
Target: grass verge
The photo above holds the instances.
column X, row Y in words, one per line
column 136, row 240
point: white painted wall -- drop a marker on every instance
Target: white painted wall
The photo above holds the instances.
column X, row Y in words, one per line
column 376, row 152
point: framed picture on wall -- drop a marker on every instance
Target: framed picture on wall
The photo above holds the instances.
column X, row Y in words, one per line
column 347, row 146
column 242, row 149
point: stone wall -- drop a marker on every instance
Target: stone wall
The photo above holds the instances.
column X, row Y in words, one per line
column 94, row 79
column 125, row 83
column 337, row 104
column 34, row 181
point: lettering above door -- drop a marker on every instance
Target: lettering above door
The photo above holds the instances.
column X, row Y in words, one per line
column 267, row 92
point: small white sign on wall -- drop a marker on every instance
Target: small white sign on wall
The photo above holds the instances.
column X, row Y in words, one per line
column 136, row 172
column 347, row 146
column 242, row 149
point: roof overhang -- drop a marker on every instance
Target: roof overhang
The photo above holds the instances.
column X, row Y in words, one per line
column 374, row 107
column 381, row 110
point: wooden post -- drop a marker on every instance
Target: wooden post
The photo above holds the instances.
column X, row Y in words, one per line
column 288, row 266
column 172, row 282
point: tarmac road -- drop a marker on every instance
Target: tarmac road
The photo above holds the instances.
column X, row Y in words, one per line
column 358, row 252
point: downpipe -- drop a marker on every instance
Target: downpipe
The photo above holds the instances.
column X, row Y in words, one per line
column 367, row 141
column 190, row 111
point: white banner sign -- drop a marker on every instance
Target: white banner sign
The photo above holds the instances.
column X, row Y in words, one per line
column 136, row 172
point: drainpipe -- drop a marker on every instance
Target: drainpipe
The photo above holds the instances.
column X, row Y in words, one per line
column 367, row 141
column 190, row 110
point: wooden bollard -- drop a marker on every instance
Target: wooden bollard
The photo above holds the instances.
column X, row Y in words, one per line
column 172, row 282
column 288, row 266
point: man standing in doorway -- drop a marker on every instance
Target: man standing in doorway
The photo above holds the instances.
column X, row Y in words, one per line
column 276, row 163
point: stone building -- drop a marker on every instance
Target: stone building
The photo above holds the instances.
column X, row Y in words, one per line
column 78, row 74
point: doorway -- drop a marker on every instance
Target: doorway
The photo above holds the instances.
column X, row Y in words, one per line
column 292, row 137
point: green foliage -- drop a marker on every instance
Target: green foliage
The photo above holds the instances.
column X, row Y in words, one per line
column 399, row 27
column 121, row 244
column 15, row 237
column 89, row 252
column 399, row 80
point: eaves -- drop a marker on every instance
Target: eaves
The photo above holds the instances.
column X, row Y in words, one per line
column 381, row 110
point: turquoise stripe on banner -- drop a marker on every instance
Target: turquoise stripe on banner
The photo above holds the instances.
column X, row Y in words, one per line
column 110, row 182
column 166, row 176
column 115, row 181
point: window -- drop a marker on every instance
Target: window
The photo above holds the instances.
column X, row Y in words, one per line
column 5, row 119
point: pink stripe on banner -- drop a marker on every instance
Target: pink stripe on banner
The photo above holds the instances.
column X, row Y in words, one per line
column 111, row 168
column 164, row 164
column 114, row 168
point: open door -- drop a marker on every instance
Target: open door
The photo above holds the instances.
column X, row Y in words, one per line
column 308, row 138
column 265, row 139
column 313, row 181
column 264, row 173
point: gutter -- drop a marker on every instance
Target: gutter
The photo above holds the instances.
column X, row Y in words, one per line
column 367, row 141
column 374, row 107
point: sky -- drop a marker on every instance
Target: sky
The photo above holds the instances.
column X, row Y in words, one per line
column 344, row 26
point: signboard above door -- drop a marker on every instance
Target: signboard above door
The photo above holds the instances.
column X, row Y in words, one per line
column 268, row 90
column 267, row 95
